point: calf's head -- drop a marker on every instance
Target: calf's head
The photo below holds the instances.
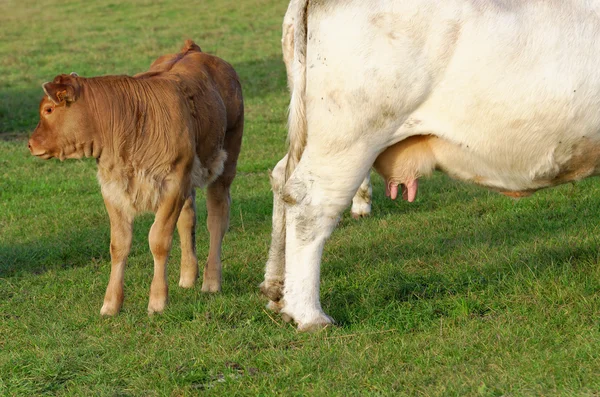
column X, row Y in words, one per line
column 64, row 130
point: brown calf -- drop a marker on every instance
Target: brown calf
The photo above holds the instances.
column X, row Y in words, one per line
column 156, row 137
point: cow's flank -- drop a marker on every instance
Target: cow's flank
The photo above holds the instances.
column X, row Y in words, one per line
column 504, row 94
column 156, row 137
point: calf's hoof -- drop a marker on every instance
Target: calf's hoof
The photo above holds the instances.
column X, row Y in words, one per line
column 187, row 282
column 189, row 273
column 112, row 304
column 156, row 306
column 211, row 279
column 211, row 286
column 109, row 309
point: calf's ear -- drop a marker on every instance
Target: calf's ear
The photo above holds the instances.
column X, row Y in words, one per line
column 59, row 92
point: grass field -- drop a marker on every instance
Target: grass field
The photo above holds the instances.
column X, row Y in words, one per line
column 464, row 292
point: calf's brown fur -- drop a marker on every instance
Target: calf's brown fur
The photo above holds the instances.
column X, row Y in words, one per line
column 156, row 137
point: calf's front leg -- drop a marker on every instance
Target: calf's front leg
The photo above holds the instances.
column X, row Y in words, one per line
column 121, row 230
column 160, row 239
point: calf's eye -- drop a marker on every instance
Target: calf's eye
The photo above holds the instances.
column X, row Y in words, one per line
column 48, row 110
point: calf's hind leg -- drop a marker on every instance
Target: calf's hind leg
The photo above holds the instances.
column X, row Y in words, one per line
column 218, row 201
column 186, row 226
column 160, row 239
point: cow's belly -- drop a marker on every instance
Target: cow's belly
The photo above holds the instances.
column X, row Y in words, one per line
column 515, row 172
column 503, row 170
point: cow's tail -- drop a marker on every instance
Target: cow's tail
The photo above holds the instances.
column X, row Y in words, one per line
column 294, row 42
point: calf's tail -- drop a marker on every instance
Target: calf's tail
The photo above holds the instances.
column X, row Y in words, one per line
column 189, row 46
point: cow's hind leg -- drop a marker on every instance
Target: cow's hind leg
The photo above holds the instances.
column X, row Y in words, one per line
column 361, row 203
column 186, row 226
column 320, row 188
column 272, row 286
column 121, row 224
column 160, row 239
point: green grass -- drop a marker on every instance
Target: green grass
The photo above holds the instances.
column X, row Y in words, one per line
column 463, row 292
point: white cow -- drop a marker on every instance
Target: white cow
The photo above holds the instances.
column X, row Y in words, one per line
column 502, row 93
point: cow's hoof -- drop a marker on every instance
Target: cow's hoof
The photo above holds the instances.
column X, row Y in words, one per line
column 361, row 210
column 275, row 306
column 358, row 216
column 272, row 289
column 311, row 321
column 317, row 324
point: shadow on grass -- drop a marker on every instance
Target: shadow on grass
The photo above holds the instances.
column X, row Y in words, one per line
column 82, row 247
column 409, row 301
column 262, row 77
column 90, row 245
column 19, row 112
column 50, row 253
column 529, row 244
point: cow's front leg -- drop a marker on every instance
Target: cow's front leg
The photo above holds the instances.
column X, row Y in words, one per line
column 186, row 226
column 160, row 239
column 361, row 202
column 317, row 192
column 121, row 224
column 272, row 286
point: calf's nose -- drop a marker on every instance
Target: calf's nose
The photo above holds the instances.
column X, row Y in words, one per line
column 33, row 147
